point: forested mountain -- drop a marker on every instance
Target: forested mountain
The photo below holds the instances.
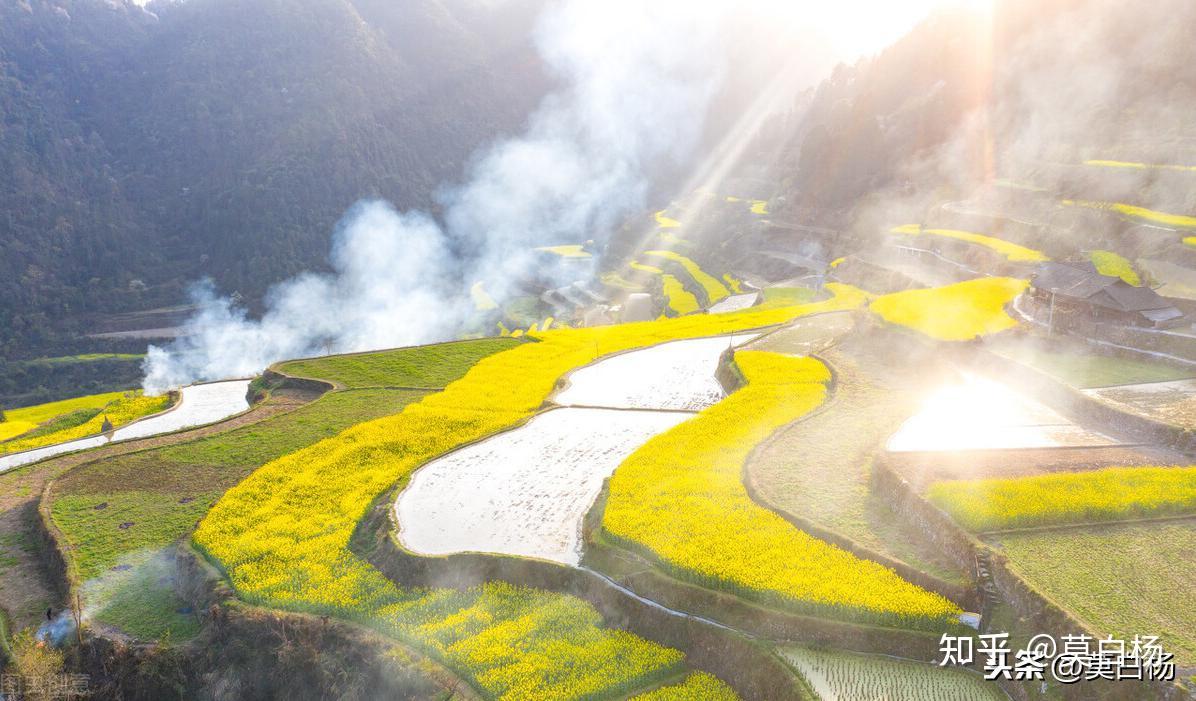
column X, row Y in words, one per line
column 143, row 148
column 1032, row 89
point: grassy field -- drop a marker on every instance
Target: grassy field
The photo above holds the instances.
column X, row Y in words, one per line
column 426, row 366
column 846, row 676
column 1078, row 367
column 1124, row 580
column 818, row 468
column 1110, row 494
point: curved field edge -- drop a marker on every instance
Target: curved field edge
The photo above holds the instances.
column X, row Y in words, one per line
column 84, row 418
column 282, row 535
column 666, row 498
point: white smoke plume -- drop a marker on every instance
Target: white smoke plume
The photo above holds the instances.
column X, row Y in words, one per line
column 637, row 78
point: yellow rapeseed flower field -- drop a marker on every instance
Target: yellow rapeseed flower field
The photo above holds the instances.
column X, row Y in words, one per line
column 1178, row 221
column 40, row 413
column 1139, row 166
column 681, row 498
column 715, row 290
column 282, row 535
column 958, row 312
column 1011, row 251
column 1108, row 494
column 120, row 408
column 569, row 250
column 1112, row 264
column 681, row 301
column 665, row 222
column 698, row 686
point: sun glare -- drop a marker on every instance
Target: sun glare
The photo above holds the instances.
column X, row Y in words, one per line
column 856, row 28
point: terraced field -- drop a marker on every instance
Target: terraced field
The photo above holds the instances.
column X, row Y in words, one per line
column 1012, row 251
column 1109, row 494
column 198, row 405
column 958, row 312
column 526, row 491
column 1077, row 365
column 1172, row 402
column 121, row 525
column 844, row 676
column 801, row 472
column 1122, row 580
column 680, row 499
column 282, row 534
column 70, row 419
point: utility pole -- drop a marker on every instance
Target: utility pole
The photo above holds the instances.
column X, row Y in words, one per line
column 1051, row 317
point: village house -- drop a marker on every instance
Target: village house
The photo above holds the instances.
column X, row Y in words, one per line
column 1078, row 291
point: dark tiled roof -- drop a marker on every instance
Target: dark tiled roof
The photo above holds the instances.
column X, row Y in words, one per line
column 1105, row 290
column 1070, row 280
column 1135, row 299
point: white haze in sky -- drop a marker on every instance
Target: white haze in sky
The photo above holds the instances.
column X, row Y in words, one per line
column 637, row 79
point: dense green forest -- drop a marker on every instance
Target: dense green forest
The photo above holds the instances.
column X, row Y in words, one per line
column 143, row 149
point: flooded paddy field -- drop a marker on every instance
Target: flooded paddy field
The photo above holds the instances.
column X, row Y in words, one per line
column 671, row 376
column 199, row 405
column 523, row 492
column 526, row 491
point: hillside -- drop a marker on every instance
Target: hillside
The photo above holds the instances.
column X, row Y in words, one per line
column 142, row 150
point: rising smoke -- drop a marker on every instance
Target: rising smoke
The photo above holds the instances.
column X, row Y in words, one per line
column 637, row 79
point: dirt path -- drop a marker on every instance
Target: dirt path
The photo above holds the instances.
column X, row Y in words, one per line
column 26, row 588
